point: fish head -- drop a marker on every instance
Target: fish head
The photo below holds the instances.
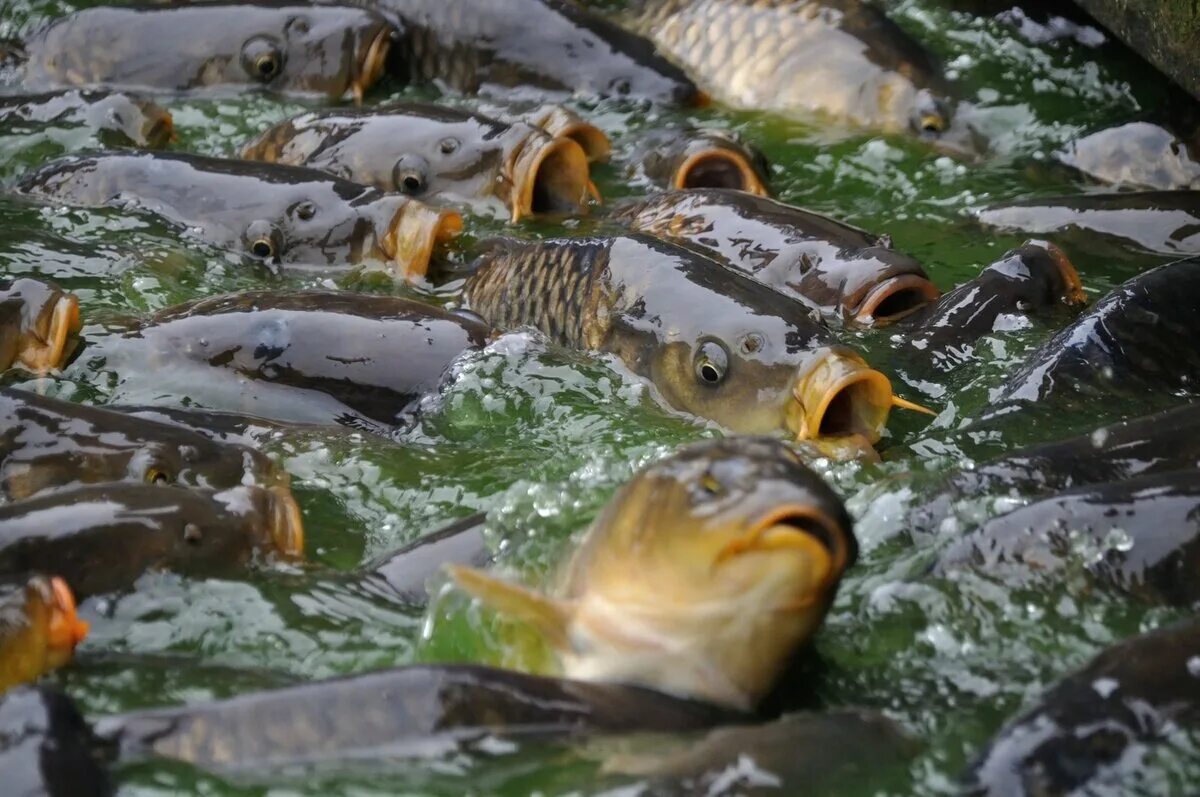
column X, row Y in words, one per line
column 875, row 285
column 38, row 325
column 1035, row 274
column 206, row 531
column 947, row 128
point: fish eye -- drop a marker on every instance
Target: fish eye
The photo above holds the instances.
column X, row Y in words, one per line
column 711, row 363
column 448, row 146
column 262, row 59
column 410, row 174
column 156, row 476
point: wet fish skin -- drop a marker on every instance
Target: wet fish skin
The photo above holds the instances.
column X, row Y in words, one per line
column 281, row 47
column 838, row 269
column 435, row 153
column 102, row 537
column 1136, row 154
column 38, row 324
column 39, row 628
column 306, row 356
column 1083, row 725
column 47, row 748
column 133, row 120
column 270, row 214
column 47, row 443
column 389, row 712
column 549, row 44
column 1145, row 529
column 408, row 571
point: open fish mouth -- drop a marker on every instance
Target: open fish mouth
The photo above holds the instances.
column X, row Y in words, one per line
column 372, row 64
column 45, row 346
column 803, row 530
column 287, row 526
column 65, row 630
column 415, row 232
column 840, row 396
column 559, row 122
column 717, row 167
column 549, row 175
column 896, row 298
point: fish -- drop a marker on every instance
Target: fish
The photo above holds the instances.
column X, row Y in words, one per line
column 1129, row 341
column 39, row 323
column 305, row 356
column 560, row 121
column 100, row 538
column 407, row 572
column 437, row 154
column 1162, row 222
column 39, row 628
column 1034, row 280
column 715, row 343
column 48, row 443
column 700, row 578
column 1134, row 155
column 270, row 214
column 287, row 48
column 1140, row 536
column 843, row 60
column 395, row 713
column 842, row 271
column 1094, row 726
column 47, row 748
column 128, row 119
column 679, row 157
column 553, row 45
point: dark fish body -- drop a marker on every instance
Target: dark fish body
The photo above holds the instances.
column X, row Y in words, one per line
column 47, row 749
column 314, row 50
column 1134, row 155
column 223, row 427
column 132, row 120
column 839, row 58
column 1083, row 728
column 306, row 356
column 269, row 213
column 840, row 270
column 1034, row 279
column 435, row 153
column 37, row 323
column 549, row 44
column 1166, row 222
column 101, row 538
column 408, row 571
column 38, row 628
column 1131, row 339
column 394, row 712
column 1142, row 536
column 47, row 443
column 690, row 157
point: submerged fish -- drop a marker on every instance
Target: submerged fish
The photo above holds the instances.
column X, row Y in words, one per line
column 1137, row 154
column 1166, row 222
column 551, row 44
column 38, row 628
column 281, row 47
column 841, row 58
column 841, row 270
column 130, row 119
column 47, row 443
column 37, row 325
column 390, row 714
column 273, row 214
column 1084, row 732
column 47, row 749
column 101, row 538
column 689, row 157
column 714, row 342
column 301, row 356
column 436, row 153
column 701, row 577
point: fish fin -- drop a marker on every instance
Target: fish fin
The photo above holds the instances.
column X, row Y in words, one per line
column 549, row 616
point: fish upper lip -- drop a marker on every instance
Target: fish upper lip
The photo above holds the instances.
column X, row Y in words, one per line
column 751, row 183
column 371, row 67
column 569, row 181
column 65, row 629
column 286, row 523
column 558, row 122
column 830, row 377
column 832, row 542
column 890, row 287
column 413, row 233
column 44, row 352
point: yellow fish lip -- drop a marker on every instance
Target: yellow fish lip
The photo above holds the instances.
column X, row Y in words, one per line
column 799, row 527
column 919, row 290
column 45, row 351
column 1072, row 285
column 159, row 130
column 545, row 169
column 726, row 159
column 373, row 62
column 286, row 522
column 65, row 630
column 559, row 122
column 415, row 232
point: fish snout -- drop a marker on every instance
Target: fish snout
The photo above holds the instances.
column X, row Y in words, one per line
column 45, row 346
column 65, row 630
column 549, row 175
column 371, row 65
column 716, row 166
column 286, row 523
column 560, row 122
column 413, row 234
column 800, row 530
column 894, row 298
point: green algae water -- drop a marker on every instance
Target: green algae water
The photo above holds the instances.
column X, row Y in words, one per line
column 539, row 438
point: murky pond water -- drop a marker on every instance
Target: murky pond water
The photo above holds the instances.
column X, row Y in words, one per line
column 540, row 437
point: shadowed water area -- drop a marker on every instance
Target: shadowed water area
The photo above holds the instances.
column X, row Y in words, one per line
column 539, row 437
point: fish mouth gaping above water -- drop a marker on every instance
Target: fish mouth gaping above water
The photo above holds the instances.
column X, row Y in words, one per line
column 371, row 64
column 38, row 323
column 285, row 522
column 415, row 233
column 549, row 175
